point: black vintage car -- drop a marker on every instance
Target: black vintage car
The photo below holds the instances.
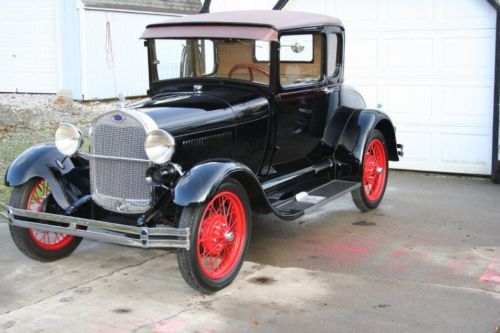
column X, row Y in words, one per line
column 247, row 114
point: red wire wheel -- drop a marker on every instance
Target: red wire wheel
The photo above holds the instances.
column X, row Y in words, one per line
column 221, row 235
column 374, row 170
column 219, row 238
column 51, row 241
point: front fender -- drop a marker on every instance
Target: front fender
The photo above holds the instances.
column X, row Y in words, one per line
column 201, row 182
column 41, row 161
column 351, row 144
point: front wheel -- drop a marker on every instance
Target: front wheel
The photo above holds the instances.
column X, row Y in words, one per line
column 35, row 195
column 220, row 234
column 375, row 173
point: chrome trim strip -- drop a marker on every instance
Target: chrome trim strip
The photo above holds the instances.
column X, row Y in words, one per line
column 148, row 122
column 102, row 231
column 130, row 159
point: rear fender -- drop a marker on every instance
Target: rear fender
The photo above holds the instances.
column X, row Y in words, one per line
column 350, row 148
column 67, row 182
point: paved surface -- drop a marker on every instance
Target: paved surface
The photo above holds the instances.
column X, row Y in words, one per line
column 428, row 260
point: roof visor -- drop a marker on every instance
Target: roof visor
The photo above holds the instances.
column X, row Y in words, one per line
column 211, row 31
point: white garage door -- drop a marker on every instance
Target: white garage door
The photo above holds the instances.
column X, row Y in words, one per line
column 430, row 65
column 28, row 56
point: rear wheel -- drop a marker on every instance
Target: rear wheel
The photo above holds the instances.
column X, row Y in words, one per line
column 220, row 234
column 375, row 173
column 40, row 245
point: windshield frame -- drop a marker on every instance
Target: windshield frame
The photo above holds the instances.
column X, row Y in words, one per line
column 155, row 81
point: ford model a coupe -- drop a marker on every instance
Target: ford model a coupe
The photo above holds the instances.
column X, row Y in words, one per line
column 247, row 113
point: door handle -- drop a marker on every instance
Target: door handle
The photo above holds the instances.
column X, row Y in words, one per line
column 327, row 90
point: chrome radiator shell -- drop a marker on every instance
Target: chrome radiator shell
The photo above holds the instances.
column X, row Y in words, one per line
column 118, row 162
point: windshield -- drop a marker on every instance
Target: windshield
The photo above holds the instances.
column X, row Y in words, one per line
column 217, row 58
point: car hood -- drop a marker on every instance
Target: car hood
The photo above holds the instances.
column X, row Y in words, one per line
column 188, row 113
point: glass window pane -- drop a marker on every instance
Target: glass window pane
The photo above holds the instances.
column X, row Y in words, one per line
column 221, row 58
column 300, row 59
column 297, row 48
column 262, row 50
column 332, row 55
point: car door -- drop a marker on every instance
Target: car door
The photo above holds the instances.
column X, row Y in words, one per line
column 301, row 108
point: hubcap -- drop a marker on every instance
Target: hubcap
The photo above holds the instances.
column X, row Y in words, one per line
column 374, row 170
column 229, row 236
column 221, row 235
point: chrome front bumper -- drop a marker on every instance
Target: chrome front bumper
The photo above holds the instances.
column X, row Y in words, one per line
column 160, row 237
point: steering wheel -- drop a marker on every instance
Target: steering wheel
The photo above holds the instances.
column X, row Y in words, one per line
column 250, row 68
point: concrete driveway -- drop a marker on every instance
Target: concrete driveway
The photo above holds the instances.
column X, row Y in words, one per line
column 428, row 260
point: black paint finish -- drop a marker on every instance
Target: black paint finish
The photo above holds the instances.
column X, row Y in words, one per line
column 67, row 183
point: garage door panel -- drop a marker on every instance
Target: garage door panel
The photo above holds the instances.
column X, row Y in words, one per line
column 417, row 143
column 412, row 12
column 433, row 148
column 469, row 105
column 361, row 12
column 409, row 102
column 463, row 148
column 362, row 55
column 414, row 54
column 467, row 13
column 461, row 55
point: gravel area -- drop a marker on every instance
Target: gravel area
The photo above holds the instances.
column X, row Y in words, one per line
column 29, row 119
column 42, row 111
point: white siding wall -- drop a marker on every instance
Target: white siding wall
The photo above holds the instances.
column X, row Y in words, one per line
column 28, row 46
column 124, row 70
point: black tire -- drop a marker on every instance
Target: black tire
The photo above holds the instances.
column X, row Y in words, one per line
column 189, row 265
column 359, row 196
column 22, row 237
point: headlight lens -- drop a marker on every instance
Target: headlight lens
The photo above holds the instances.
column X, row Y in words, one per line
column 159, row 146
column 68, row 139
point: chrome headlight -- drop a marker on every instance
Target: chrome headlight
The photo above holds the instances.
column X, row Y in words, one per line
column 68, row 139
column 159, row 146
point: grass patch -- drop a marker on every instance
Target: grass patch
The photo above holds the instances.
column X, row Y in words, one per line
column 13, row 141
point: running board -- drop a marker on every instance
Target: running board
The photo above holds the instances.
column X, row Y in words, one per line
column 303, row 201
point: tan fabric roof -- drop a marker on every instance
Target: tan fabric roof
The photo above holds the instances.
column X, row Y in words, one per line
column 156, row 6
column 258, row 24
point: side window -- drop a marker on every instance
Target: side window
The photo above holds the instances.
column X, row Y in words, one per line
column 262, row 51
column 297, row 48
column 300, row 59
column 332, row 62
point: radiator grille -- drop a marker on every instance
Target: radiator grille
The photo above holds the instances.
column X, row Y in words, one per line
column 119, row 185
